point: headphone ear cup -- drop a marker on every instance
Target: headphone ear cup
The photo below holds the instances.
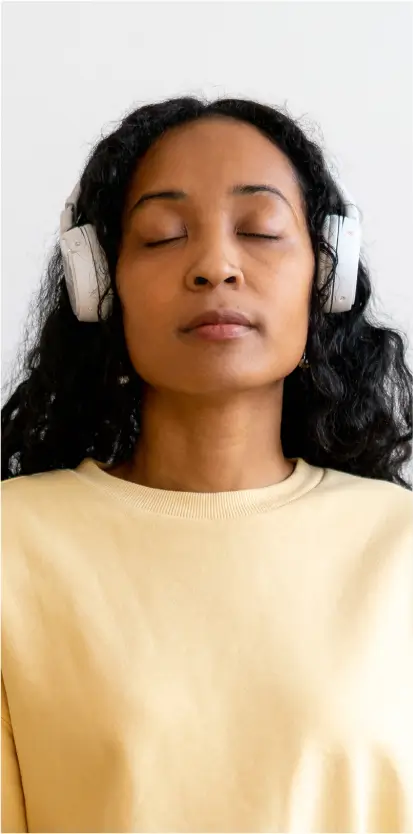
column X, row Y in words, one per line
column 343, row 234
column 348, row 258
column 86, row 273
column 101, row 270
column 324, row 260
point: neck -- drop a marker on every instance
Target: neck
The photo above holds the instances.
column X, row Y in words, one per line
column 193, row 445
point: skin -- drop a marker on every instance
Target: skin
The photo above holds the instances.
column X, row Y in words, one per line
column 212, row 411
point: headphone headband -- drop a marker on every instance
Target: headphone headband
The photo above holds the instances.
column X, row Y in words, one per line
column 68, row 215
column 350, row 206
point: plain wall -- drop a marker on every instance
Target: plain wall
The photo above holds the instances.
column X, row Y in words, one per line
column 71, row 70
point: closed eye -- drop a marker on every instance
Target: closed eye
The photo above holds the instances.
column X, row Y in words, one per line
column 153, row 243
column 264, row 237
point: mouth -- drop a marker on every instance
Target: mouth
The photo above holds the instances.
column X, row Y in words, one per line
column 219, row 325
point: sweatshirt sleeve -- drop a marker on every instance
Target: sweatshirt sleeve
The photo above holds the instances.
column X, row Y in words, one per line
column 13, row 812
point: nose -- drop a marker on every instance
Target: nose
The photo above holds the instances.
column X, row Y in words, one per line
column 212, row 269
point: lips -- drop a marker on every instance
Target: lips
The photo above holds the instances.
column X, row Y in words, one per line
column 212, row 317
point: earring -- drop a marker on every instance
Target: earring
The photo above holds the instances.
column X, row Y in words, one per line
column 303, row 363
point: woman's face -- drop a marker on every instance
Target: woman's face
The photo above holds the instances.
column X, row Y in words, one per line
column 197, row 248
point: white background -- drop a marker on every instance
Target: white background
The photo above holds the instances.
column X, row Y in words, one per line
column 71, row 70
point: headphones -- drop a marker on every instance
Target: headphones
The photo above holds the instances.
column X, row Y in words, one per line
column 87, row 274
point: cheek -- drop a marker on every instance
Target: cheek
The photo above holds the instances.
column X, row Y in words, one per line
column 287, row 311
column 289, row 291
column 147, row 309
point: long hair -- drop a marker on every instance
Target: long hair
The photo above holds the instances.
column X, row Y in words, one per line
column 79, row 396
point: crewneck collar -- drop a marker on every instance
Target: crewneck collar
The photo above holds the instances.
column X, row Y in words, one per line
column 203, row 505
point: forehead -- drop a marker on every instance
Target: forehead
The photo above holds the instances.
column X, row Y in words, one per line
column 209, row 156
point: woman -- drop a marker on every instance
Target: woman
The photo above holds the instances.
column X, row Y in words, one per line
column 207, row 572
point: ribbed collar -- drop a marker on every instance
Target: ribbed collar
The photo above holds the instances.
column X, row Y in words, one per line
column 203, row 505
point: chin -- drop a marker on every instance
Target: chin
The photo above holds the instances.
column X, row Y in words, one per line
column 220, row 384
column 215, row 376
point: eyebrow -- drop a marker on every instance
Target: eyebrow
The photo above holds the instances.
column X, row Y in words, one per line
column 237, row 189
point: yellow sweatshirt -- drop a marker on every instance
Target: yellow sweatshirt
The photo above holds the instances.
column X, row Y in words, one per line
column 184, row 662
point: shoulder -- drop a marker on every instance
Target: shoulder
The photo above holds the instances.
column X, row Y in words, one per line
column 369, row 491
column 43, row 486
column 377, row 512
column 44, row 496
column 46, row 518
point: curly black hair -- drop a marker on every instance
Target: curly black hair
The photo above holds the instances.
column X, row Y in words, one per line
column 79, row 395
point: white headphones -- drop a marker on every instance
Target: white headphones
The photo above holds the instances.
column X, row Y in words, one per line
column 87, row 274
column 85, row 265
